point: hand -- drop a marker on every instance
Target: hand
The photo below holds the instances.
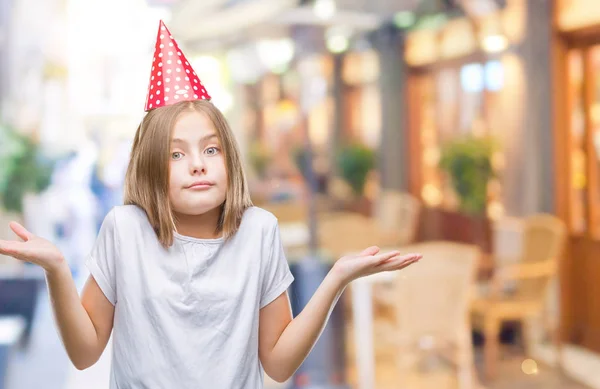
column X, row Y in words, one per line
column 32, row 249
column 369, row 261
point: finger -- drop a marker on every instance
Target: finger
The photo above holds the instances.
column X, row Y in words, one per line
column 20, row 231
column 381, row 258
column 370, row 251
column 396, row 266
column 399, row 261
column 405, row 257
column 404, row 264
column 11, row 248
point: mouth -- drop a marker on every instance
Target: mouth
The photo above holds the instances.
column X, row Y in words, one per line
column 201, row 185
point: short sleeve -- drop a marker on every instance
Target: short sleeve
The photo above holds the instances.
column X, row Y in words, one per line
column 277, row 275
column 101, row 261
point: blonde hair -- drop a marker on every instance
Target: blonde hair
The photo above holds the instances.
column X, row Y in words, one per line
column 147, row 177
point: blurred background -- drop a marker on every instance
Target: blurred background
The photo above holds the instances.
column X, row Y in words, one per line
column 468, row 130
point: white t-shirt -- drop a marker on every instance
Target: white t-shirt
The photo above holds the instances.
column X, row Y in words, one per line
column 187, row 317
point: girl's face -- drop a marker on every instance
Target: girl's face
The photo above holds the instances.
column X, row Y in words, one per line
column 198, row 177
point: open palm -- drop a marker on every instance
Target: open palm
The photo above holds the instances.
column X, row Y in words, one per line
column 370, row 261
column 31, row 249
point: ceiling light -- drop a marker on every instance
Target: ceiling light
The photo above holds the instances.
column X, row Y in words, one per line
column 337, row 44
column 495, row 43
column 324, row 9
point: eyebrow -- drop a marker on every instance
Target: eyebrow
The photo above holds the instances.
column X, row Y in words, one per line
column 203, row 139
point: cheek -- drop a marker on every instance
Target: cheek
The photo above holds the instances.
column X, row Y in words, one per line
column 224, row 179
column 224, row 172
column 175, row 178
column 221, row 170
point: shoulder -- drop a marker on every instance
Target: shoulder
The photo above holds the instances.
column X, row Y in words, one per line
column 126, row 218
column 259, row 216
column 128, row 212
column 258, row 219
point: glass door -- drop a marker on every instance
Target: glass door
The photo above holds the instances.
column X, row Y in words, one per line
column 584, row 140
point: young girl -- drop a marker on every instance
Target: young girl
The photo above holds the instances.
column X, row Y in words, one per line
column 188, row 276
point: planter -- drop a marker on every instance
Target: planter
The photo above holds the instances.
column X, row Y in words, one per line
column 441, row 224
column 361, row 205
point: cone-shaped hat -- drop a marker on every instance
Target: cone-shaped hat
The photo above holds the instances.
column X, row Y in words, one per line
column 172, row 78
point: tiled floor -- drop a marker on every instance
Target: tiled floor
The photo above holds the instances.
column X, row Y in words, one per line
column 439, row 375
column 510, row 377
column 45, row 365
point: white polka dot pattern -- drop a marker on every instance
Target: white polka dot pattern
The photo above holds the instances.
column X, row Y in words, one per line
column 166, row 86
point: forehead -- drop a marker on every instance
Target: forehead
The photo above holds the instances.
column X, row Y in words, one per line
column 192, row 126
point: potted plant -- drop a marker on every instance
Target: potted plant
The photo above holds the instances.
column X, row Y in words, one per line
column 354, row 163
column 468, row 163
column 24, row 169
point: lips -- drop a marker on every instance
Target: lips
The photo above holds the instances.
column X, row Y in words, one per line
column 200, row 185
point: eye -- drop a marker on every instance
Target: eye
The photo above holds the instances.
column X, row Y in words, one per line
column 212, row 150
column 176, row 155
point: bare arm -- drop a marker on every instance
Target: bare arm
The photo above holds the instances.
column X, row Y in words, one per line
column 84, row 324
column 285, row 343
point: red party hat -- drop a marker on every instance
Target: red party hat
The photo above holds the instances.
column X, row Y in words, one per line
column 172, row 78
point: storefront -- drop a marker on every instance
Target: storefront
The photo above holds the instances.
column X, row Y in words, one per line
column 334, row 98
column 280, row 108
column 577, row 118
column 465, row 79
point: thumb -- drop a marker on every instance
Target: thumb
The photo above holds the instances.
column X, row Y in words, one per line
column 370, row 251
column 20, row 231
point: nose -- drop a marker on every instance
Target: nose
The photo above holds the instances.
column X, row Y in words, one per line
column 197, row 165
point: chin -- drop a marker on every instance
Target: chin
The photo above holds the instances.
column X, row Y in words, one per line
column 196, row 209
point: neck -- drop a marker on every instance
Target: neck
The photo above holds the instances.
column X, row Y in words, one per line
column 202, row 226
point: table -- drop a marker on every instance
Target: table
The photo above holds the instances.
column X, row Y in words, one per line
column 362, row 304
column 362, row 312
column 340, row 235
